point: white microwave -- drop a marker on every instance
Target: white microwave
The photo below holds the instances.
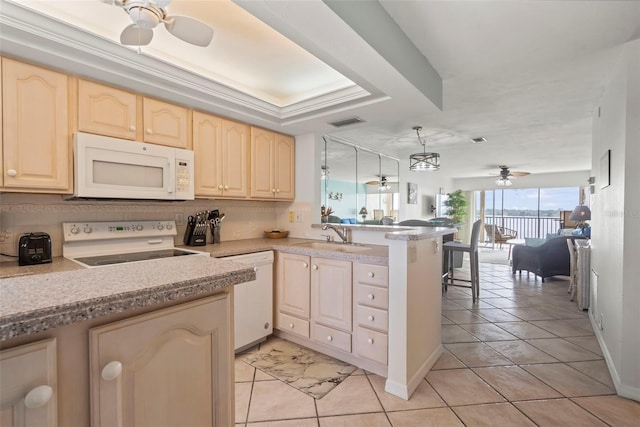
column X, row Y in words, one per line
column 113, row 168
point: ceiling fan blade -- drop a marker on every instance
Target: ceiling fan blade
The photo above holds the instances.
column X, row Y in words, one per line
column 189, row 30
column 372, row 182
column 136, row 36
column 517, row 174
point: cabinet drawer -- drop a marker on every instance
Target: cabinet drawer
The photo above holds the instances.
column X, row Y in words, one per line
column 370, row 274
column 371, row 345
column 293, row 325
column 372, row 296
column 373, row 318
column 331, row 337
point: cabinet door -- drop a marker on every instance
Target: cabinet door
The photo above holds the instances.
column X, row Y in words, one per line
column 36, row 138
column 284, row 171
column 262, row 162
column 207, row 148
column 294, row 285
column 107, row 111
column 176, row 368
column 234, row 154
column 26, row 372
column 331, row 293
column 165, row 123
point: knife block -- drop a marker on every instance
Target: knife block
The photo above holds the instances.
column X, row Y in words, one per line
column 195, row 237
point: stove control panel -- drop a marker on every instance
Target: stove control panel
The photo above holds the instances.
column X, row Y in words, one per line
column 85, row 231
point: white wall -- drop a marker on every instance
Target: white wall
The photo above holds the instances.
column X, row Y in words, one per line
column 616, row 224
column 429, row 184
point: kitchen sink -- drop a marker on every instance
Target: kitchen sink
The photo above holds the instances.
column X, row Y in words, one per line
column 336, row 247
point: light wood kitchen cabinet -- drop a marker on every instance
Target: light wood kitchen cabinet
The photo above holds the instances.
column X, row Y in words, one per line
column 169, row 367
column 105, row 110
column 293, row 293
column 166, row 124
column 36, row 139
column 28, row 388
column 331, row 293
column 220, row 150
column 272, row 165
column 371, row 295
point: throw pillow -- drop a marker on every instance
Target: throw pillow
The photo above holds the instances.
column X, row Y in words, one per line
column 530, row 241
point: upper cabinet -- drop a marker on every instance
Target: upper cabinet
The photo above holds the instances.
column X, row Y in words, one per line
column 113, row 112
column 165, row 123
column 220, row 149
column 272, row 165
column 107, row 111
column 35, row 125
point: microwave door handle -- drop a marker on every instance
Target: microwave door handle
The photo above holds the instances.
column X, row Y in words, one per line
column 172, row 176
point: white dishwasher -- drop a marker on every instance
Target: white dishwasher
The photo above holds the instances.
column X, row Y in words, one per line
column 253, row 301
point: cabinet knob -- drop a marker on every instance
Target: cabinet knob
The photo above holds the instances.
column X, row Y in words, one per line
column 277, row 190
column 371, row 274
column 12, row 172
column 370, row 340
column 132, row 128
column 273, row 190
column 290, row 325
column 149, row 131
column 111, row 370
column 226, row 187
column 371, row 296
column 329, row 338
column 220, row 187
column 38, row 396
column 315, row 267
column 371, row 318
column 305, row 264
column 255, row 268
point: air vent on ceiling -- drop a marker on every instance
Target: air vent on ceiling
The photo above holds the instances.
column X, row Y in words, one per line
column 479, row 139
column 347, row 122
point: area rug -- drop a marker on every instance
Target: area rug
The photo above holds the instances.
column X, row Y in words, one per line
column 311, row 372
column 495, row 256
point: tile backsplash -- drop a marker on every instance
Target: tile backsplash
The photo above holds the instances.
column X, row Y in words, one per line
column 22, row 213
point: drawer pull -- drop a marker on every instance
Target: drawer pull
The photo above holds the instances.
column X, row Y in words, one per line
column 371, row 274
column 226, row 187
column 291, row 325
column 12, row 172
column 149, row 131
column 315, row 267
column 38, row 396
column 111, row 371
column 305, row 264
column 329, row 338
column 371, row 296
column 132, row 128
column 370, row 340
column 371, row 318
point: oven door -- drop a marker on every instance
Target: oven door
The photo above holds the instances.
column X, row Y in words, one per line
column 113, row 168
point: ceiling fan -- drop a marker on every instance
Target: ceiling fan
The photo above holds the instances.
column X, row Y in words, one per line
column 382, row 183
column 147, row 14
column 505, row 176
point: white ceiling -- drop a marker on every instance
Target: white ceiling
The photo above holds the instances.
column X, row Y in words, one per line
column 525, row 75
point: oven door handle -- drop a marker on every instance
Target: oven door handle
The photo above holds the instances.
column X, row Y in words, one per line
column 154, row 241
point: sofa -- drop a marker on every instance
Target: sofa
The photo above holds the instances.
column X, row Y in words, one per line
column 549, row 259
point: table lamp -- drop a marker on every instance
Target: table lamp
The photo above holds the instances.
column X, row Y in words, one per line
column 581, row 214
column 364, row 213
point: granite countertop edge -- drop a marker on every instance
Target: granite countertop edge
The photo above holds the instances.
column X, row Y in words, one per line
column 39, row 320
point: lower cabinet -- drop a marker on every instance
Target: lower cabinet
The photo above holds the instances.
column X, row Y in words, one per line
column 28, row 387
column 169, row 367
column 348, row 302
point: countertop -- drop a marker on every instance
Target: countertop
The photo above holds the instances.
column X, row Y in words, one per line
column 37, row 302
column 398, row 232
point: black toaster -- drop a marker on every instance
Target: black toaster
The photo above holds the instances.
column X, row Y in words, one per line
column 34, row 248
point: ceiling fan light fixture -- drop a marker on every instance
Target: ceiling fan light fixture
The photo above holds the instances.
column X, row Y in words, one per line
column 145, row 17
column 504, row 182
column 420, row 162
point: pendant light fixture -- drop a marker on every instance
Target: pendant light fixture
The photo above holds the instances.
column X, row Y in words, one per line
column 423, row 161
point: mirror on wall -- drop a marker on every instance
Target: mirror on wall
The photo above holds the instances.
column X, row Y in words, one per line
column 358, row 186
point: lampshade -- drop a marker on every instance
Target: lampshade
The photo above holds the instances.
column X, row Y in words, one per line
column 363, row 211
column 423, row 161
column 580, row 213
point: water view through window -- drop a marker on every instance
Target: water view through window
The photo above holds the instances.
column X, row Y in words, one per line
column 532, row 212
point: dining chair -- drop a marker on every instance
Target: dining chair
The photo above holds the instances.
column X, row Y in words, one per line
column 472, row 249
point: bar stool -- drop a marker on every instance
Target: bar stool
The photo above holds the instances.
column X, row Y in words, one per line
column 472, row 248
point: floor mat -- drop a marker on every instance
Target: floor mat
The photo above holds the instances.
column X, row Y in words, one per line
column 310, row 372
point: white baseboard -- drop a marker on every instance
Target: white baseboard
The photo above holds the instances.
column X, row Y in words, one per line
column 622, row 389
column 404, row 391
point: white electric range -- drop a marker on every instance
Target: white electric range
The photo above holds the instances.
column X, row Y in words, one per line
column 96, row 244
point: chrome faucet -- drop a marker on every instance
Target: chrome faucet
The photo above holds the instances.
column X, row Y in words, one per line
column 344, row 233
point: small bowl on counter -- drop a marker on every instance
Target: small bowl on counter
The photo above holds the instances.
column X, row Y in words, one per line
column 276, row 234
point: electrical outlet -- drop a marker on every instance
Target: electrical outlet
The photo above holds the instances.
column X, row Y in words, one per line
column 299, row 216
column 179, row 219
column 292, row 216
column 601, row 322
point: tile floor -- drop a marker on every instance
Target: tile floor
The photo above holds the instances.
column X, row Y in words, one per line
column 523, row 355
